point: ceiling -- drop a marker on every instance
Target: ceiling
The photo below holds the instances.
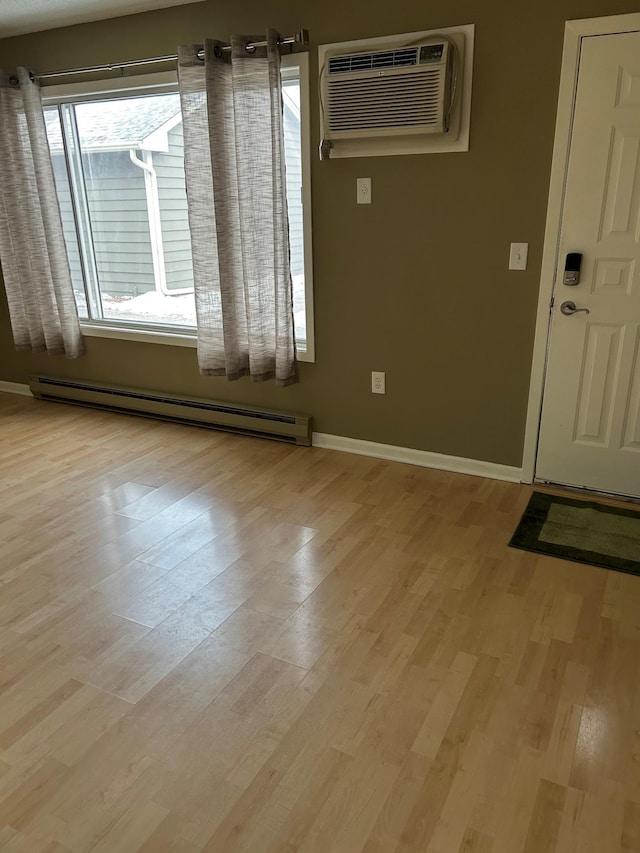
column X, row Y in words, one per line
column 18, row 17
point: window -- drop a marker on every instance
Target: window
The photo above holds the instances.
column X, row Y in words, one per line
column 118, row 159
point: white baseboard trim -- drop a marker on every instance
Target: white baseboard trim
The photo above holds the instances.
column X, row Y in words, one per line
column 423, row 458
column 15, row 388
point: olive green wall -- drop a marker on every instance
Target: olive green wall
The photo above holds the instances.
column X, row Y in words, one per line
column 417, row 283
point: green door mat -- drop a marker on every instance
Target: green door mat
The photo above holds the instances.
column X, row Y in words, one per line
column 582, row 531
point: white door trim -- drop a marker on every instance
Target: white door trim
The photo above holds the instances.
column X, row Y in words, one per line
column 574, row 32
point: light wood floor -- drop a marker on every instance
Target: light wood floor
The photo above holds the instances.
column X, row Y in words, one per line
column 219, row 643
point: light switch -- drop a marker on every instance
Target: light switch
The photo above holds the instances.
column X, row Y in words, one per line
column 518, row 256
column 363, row 186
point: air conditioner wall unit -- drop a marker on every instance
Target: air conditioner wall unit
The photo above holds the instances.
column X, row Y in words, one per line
column 385, row 92
column 398, row 94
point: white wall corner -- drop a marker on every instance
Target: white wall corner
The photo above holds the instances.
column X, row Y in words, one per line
column 423, row 458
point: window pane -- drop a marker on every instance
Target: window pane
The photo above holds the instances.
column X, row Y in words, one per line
column 122, row 195
column 54, row 134
column 132, row 180
column 293, row 158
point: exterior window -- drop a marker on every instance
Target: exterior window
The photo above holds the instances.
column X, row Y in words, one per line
column 124, row 208
column 118, row 160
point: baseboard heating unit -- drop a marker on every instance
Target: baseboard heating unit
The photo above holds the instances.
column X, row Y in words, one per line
column 245, row 420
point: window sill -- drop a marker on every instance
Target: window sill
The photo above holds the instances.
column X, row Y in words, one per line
column 147, row 336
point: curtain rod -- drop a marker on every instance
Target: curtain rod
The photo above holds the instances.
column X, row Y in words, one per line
column 301, row 37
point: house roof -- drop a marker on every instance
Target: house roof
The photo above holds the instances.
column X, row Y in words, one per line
column 117, row 124
column 126, row 123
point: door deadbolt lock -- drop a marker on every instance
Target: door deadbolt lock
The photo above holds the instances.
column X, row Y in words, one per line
column 572, row 265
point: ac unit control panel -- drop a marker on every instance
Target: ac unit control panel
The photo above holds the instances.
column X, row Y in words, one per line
column 431, row 53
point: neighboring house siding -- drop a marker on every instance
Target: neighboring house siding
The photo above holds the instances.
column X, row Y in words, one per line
column 173, row 212
column 68, row 222
column 117, row 199
column 118, row 205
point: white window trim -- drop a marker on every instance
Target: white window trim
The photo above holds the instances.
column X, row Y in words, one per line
column 301, row 60
column 166, row 82
column 146, row 335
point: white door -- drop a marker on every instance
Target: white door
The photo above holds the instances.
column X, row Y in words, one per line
column 590, row 427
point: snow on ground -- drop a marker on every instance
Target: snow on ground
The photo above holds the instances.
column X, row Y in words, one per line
column 152, row 307
column 180, row 310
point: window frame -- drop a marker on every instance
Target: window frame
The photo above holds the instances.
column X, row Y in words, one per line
column 159, row 83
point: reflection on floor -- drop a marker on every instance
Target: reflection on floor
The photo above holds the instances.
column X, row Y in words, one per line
column 219, row 643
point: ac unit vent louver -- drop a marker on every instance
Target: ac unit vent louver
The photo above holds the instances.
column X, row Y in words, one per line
column 401, row 100
column 399, row 92
column 376, row 59
column 246, row 420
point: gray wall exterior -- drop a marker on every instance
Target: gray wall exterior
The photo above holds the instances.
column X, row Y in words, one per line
column 118, row 204
column 117, row 200
column 66, row 210
column 173, row 211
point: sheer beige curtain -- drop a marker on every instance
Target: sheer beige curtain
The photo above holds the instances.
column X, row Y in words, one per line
column 235, row 175
column 33, row 255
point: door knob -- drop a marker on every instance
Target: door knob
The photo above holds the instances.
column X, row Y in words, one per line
column 569, row 308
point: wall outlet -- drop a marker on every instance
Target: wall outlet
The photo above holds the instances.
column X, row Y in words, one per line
column 377, row 382
column 363, row 188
